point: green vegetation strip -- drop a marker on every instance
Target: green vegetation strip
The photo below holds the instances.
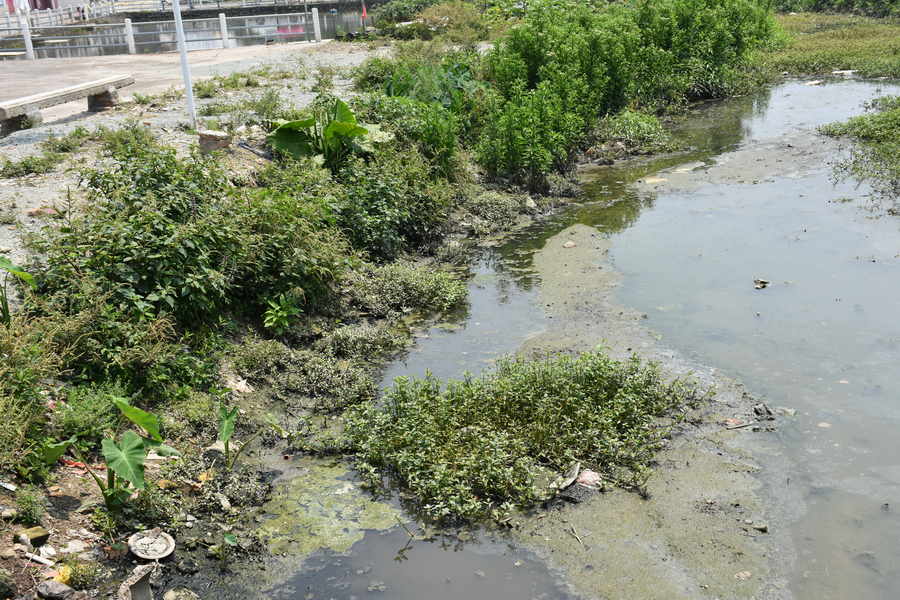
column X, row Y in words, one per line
column 819, row 44
column 876, row 159
column 480, row 446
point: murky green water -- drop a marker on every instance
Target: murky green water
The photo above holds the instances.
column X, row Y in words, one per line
column 823, row 338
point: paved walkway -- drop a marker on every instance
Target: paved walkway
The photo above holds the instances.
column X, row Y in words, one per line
column 152, row 73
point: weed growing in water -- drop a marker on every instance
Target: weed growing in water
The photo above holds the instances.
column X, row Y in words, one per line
column 492, row 212
column 482, row 443
column 365, row 341
column 876, row 156
column 403, row 287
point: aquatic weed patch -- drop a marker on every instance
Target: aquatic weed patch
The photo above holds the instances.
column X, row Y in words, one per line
column 876, row 156
column 482, row 444
column 403, row 287
column 824, row 43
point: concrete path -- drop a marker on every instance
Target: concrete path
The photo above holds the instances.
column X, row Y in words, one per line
column 152, row 73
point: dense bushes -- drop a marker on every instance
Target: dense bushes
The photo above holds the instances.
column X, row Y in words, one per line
column 166, row 236
column 564, row 66
column 390, row 203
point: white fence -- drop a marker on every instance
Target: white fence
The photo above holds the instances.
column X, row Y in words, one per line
column 159, row 36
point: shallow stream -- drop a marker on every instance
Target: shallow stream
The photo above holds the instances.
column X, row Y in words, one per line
column 691, row 232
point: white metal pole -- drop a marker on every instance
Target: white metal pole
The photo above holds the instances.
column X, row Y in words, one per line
column 129, row 37
column 26, row 34
column 71, row 15
column 223, row 25
column 316, row 29
column 114, row 6
column 8, row 22
column 182, row 48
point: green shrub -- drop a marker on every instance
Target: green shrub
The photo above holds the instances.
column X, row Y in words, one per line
column 493, row 212
column 391, row 203
column 30, row 505
column 373, row 72
column 87, row 412
column 875, row 8
column 629, row 132
column 206, row 88
column 397, row 11
column 167, row 236
column 402, row 287
column 480, row 445
column 427, row 126
column 875, row 157
column 365, row 341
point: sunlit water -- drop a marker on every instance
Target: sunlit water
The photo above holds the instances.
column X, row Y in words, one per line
column 823, row 339
column 826, row 342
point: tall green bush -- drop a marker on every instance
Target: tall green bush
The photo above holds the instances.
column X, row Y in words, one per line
column 167, row 236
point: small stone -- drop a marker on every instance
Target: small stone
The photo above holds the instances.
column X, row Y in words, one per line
column 38, row 536
column 8, row 553
column 761, row 528
column 54, row 590
column 180, row 593
column 9, row 514
column 75, row 547
column 5, row 249
column 530, row 204
column 8, row 586
column 187, row 566
column 53, row 488
column 786, row 412
column 213, row 140
column 569, row 244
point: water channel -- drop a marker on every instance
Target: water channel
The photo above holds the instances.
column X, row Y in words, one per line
column 823, row 339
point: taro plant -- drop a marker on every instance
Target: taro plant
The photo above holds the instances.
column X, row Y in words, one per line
column 124, row 455
column 21, row 275
column 329, row 136
column 226, row 430
column 223, row 550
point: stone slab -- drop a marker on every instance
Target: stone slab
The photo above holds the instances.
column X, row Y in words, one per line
column 21, row 106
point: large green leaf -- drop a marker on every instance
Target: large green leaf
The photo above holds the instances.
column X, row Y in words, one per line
column 226, row 422
column 271, row 420
column 342, row 113
column 19, row 272
column 146, row 420
column 126, row 458
column 52, row 452
column 293, row 138
column 338, row 129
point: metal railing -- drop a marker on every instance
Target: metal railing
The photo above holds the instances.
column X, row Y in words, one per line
column 159, row 36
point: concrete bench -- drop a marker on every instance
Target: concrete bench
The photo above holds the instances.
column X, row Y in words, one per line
column 23, row 113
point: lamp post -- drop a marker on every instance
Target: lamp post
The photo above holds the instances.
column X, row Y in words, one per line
column 182, row 48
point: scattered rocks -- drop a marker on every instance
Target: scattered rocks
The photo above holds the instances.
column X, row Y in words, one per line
column 38, row 536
